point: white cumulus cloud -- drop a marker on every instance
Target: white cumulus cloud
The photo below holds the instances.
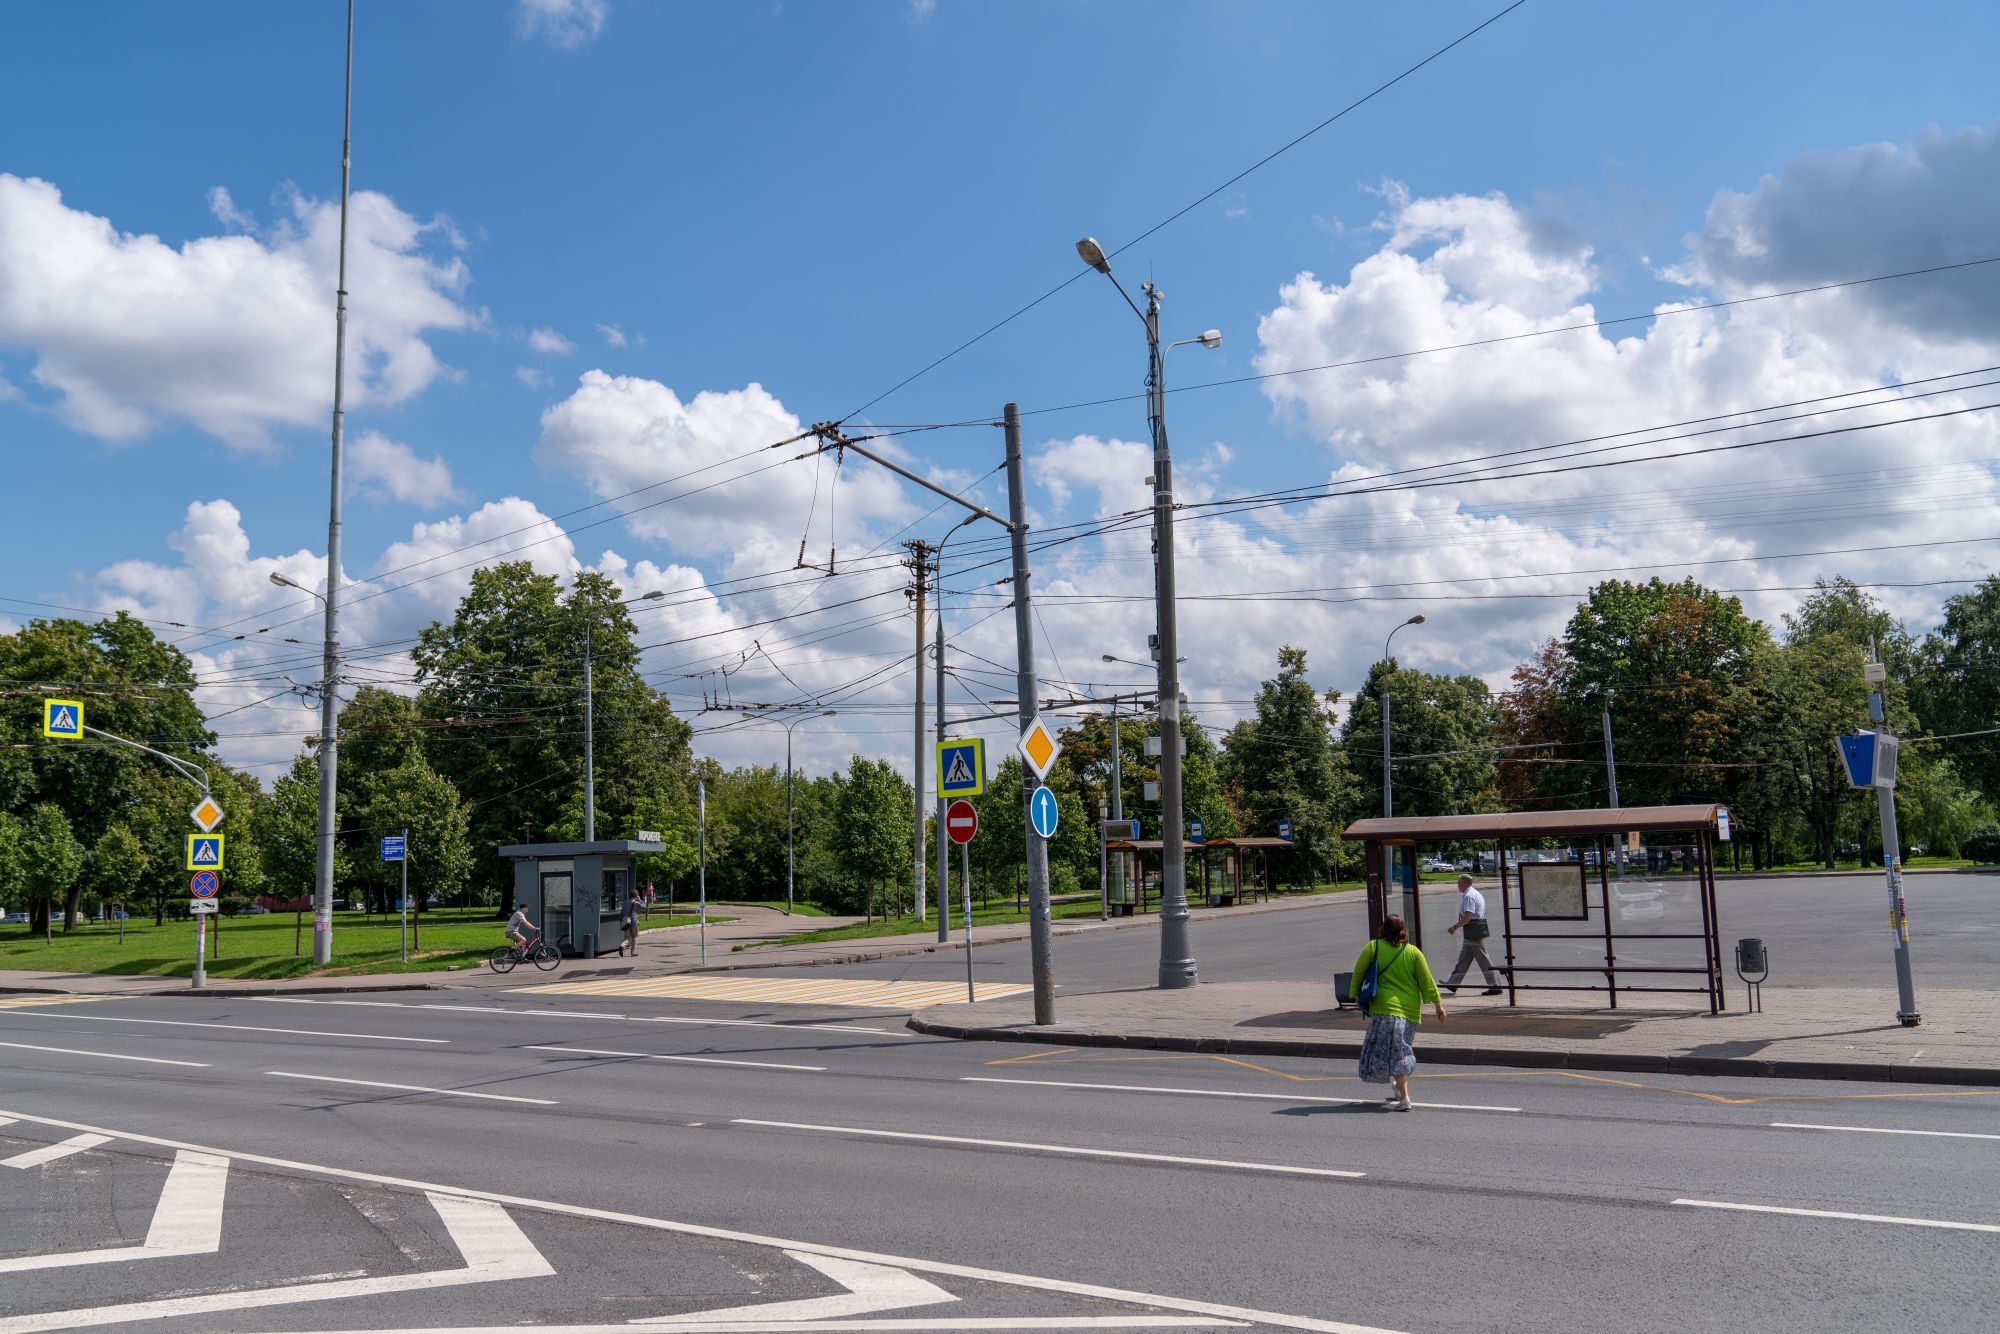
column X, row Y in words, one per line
column 568, row 24
column 549, row 343
column 377, row 465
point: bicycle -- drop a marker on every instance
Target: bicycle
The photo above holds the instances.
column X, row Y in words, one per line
column 537, row 951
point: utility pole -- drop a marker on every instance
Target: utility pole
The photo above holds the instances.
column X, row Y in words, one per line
column 1611, row 770
column 1886, row 746
column 1025, row 692
column 589, row 743
column 1177, row 967
column 329, row 702
column 943, row 839
column 920, row 563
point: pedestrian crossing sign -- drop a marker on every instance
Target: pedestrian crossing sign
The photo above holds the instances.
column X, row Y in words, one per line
column 961, row 767
column 204, row 852
column 62, row 719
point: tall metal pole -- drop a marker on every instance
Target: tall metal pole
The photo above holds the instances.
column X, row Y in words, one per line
column 329, row 703
column 589, row 746
column 920, row 562
column 788, row 820
column 1117, row 768
column 1025, row 691
column 1611, row 774
column 405, row 905
column 1892, row 862
column 943, row 839
column 1177, row 967
column 1388, row 773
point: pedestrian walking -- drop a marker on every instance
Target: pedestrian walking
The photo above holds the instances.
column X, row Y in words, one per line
column 630, row 921
column 1472, row 949
column 1397, row 981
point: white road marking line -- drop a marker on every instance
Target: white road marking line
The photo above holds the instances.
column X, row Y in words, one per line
column 919, row 1326
column 412, row 1088
column 1058, row 1150
column 49, row 1153
column 244, row 1028
column 976, row 1273
column 627, row 1018
column 1835, row 1213
column 832, row 992
column 783, row 1028
column 693, row 1060
column 187, row 1220
column 1882, row 1130
column 107, row 1055
column 492, row 1245
column 869, row 1288
column 1222, row 1093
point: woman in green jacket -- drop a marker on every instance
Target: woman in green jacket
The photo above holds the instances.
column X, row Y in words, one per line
column 1403, row 985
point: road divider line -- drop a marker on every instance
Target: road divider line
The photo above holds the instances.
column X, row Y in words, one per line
column 692, row 1060
column 1882, row 1130
column 243, row 1028
column 1056, row 1150
column 1226, row 1093
column 49, row 1153
column 105, row 1055
column 412, row 1088
column 591, row 1014
column 1843, row 1216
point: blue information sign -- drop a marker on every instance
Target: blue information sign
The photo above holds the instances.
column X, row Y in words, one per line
column 392, row 848
column 1197, row 832
column 1042, row 813
column 1285, row 830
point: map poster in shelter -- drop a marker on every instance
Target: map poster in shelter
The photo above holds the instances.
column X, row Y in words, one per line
column 1554, row 892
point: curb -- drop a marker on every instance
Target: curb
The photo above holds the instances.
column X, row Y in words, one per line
column 210, row 993
column 1544, row 1059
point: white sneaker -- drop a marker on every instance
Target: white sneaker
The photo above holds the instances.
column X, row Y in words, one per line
column 1400, row 1105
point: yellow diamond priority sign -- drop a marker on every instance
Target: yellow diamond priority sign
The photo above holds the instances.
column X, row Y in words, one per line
column 207, row 815
column 1039, row 748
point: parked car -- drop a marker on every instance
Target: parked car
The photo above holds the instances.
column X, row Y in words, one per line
column 1438, row 864
column 15, row 919
column 254, row 909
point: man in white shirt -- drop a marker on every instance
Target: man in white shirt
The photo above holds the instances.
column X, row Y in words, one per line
column 1472, row 917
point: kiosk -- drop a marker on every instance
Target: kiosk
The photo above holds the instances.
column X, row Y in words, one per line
column 575, row 891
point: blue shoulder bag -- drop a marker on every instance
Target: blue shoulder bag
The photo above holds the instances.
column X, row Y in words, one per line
column 1371, row 981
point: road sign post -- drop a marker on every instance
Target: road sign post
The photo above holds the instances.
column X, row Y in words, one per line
column 204, row 852
column 965, row 880
column 1042, row 812
column 961, row 767
column 62, row 719
column 701, row 844
column 395, row 848
column 961, row 822
column 207, row 814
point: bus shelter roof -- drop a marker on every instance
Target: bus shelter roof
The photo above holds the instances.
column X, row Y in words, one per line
column 1532, row 824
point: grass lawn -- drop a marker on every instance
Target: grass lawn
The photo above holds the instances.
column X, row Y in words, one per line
column 800, row 908
column 261, row 946
column 1000, row 912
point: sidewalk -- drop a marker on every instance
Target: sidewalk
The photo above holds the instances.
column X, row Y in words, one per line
column 1803, row 1033
column 661, row 950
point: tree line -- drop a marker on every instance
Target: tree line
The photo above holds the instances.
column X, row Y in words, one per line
column 482, row 747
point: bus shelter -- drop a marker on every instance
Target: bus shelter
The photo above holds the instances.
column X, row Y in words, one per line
column 1559, row 913
column 1133, row 855
column 575, row 891
column 1237, row 854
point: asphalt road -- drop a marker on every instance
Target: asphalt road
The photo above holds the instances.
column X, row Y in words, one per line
column 502, row 1159
column 1822, row 931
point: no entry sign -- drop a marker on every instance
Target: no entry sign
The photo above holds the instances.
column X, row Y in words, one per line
column 961, row 821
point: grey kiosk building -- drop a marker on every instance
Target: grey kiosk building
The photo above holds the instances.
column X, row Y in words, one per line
column 574, row 891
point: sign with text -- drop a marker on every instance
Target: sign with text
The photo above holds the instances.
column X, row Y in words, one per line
column 392, row 848
column 1553, row 892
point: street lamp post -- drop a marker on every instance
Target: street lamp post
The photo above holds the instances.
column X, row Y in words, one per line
column 1177, row 966
column 1388, row 776
column 788, row 799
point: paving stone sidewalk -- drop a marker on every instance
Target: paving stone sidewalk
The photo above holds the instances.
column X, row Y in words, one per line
column 1804, row 1033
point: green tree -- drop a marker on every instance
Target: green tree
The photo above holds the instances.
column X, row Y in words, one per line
column 289, row 831
column 116, row 869
column 13, row 862
column 1441, row 732
column 1936, row 811
column 876, row 827
column 418, row 798
column 54, row 861
column 1955, row 681
column 1281, row 764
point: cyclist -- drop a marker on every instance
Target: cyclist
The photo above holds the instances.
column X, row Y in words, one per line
column 518, row 927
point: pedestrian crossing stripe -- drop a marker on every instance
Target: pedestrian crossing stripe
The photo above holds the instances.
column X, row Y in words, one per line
column 204, row 852
column 961, row 767
column 62, row 719
column 860, row 993
column 24, row 1002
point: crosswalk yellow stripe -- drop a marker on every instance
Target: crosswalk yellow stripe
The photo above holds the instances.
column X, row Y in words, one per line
column 861, row 993
column 23, row 1002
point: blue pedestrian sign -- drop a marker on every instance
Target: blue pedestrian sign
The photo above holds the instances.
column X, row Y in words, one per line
column 392, row 849
column 961, row 767
column 1285, row 830
column 1042, row 812
column 204, row 852
column 1197, row 832
column 62, row 719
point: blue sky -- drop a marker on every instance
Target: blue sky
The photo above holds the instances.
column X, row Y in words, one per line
column 819, row 199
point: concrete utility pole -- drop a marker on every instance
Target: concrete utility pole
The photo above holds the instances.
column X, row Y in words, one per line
column 943, row 838
column 589, row 743
column 1025, row 693
column 329, row 702
column 920, row 563
column 1611, row 772
column 1886, row 745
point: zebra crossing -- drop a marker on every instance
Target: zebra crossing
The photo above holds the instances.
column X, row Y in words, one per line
column 866, row 994
column 24, row 1002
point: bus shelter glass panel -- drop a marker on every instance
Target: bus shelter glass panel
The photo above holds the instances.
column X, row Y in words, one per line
column 556, row 899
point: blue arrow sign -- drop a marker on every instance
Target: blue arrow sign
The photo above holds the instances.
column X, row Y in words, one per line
column 1042, row 813
column 392, row 849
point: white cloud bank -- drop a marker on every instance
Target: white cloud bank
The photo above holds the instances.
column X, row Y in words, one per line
column 233, row 334
column 379, row 466
column 568, row 24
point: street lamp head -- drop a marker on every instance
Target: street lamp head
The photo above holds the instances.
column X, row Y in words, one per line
column 828, row 713
column 281, row 581
column 1418, row 619
column 1109, row 658
column 1093, row 254
column 653, row 596
column 1211, row 338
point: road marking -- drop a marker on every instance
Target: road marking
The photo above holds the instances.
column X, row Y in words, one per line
column 919, row 1326
column 49, row 1153
column 107, row 1055
column 187, row 1220
column 1834, row 1213
column 869, row 1288
column 949, row 1269
column 490, row 1243
column 413, row 1088
column 1058, row 1150
column 692, row 1060
column 836, row 992
column 244, row 1028
column 1882, row 1130
column 30, row 1002
column 625, row 1018
column 1221, row 1093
